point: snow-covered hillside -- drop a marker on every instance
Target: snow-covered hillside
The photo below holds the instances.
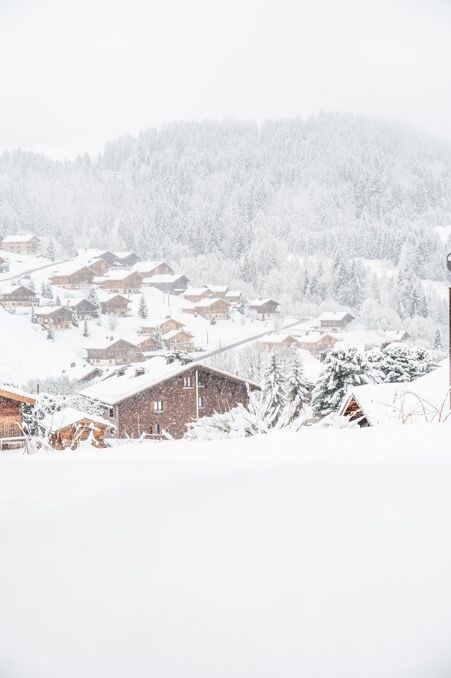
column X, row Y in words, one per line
column 324, row 554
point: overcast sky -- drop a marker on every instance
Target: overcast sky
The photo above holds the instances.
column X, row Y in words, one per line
column 75, row 73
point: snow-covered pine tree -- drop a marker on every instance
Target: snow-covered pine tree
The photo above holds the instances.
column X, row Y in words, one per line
column 85, row 328
column 298, row 388
column 438, row 343
column 50, row 334
column 93, row 297
column 274, row 385
column 142, row 309
column 343, row 368
column 401, row 363
column 51, row 251
column 57, row 300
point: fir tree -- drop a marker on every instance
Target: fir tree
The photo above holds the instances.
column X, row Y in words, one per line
column 298, row 388
column 51, row 251
column 85, row 328
column 274, row 385
column 142, row 310
column 438, row 343
column 93, row 298
column 343, row 368
column 50, row 334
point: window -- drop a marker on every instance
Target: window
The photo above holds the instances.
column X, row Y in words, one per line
column 200, row 401
column 111, row 412
column 200, row 380
column 187, row 382
column 158, row 406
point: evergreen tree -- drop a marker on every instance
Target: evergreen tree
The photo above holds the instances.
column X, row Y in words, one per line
column 438, row 343
column 274, row 385
column 142, row 310
column 92, row 297
column 57, row 300
column 51, row 251
column 401, row 363
column 85, row 328
column 343, row 368
column 298, row 389
column 50, row 334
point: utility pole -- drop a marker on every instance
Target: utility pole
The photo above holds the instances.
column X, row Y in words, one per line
column 448, row 263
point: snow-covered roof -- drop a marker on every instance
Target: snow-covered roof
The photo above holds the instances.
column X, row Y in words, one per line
column 173, row 333
column 143, row 266
column 194, row 291
column 233, row 293
column 69, row 416
column 423, row 400
column 334, row 316
column 101, row 345
column 164, row 278
column 261, row 302
column 276, row 338
column 49, row 310
column 19, row 237
column 396, row 335
column 69, row 268
column 9, row 286
column 216, row 289
column 123, row 255
column 204, row 303
column 115, row 274
column 118, row 389
column 17, row 394
column 109, row 296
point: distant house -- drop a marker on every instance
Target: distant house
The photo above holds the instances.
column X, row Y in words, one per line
column 146, row 343
column 118, row 352
column 150, row 268
column 159, row 328
column 72, row 275
column 264, row 308
column 109, row 257
column 120, row 280
column 21, row 243
column 12, row 403
column 115, row 304
column 274, row 343
column 68, row 427
column 84, row 308
column 83, row 374
column 98, row 265
column 196, row 294
column 127, row 259
column 340, row 319
column 178, row 340
column 394, row 336
column 174, row 283
column 234, row 296
column 212, row 309
column 55, row 317
column 218, row 291
column 317, row 343
column 4, row 265
column 166, row 400
column 19, row 296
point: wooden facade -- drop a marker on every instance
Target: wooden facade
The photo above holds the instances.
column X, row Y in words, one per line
column 170, row 405
column 167, row 325
column 125, row 283
column 21, row 243
column 58, row 317
column 84, row 309
column 12, row 402
column 178, row 340
column 69, row 427
column 317, row 344
column 150, row 268
column 19, row 296
column 115, row 305
column 74, row 279
column 119, row 352
column 264, row 309
column 169, row 283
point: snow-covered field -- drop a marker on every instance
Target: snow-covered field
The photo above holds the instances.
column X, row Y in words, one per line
column 324, row 554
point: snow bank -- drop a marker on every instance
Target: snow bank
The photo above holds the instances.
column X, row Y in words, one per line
column 324, row 554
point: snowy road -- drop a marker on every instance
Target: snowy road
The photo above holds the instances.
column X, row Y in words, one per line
column 34, row 270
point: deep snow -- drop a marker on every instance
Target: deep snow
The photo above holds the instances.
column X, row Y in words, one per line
column 324, row 554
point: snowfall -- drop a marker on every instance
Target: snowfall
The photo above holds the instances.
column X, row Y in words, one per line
column 322, row 554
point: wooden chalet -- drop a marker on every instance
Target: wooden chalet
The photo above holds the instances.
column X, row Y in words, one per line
column 115, row 304
column 126, row 259
column 212, row 309
column 234, row 296
column 98, row 265
column 164, row 401
column 72, row 276
column 84, row 308
column 339, row 319
column 394, row 336
column 12, row 403
column 120, row 280
column 68, row 427
column 166, row 325
column 174, row 283
column 150, row 268
column 317, row 344
column 55, row 317
column 196, row 294
column 218, row 291
column 21, row 243
column 18, row 296
column 264, row 309
column 146, row 342
column 108, row 257
column 178, row 340
column 275, row 343
column 118, row 352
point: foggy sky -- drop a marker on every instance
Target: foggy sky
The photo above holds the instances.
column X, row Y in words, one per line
column 75, row 73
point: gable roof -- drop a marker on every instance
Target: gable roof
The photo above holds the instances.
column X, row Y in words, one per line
column 51, row 310
column 164, row 278
column 19, row 237
column 173, row 333
column 335, row 316
column 69, row 416
column 117, row 274
column 16, row 394
column 210, row 301
column 144, row 266
column 114, row 391
column 256, row 303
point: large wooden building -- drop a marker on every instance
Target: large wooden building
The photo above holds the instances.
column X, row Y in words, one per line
column 18, row 296
column 118, row 352
column 114, row 304
column 12, row 402
column 171, row 283
column 211, row 308
column 317, row 344
column 55, row 317
column 72, row 275
column 338, row 319
column 150, row 268
column 165, row 401
column 21, row 243
column 120, row 280
column 264, row 309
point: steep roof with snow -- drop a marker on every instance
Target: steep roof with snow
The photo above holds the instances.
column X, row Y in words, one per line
column 164, row 278
column 117, row 389
column 335, row 316
column 143, row 266
column 116, row 274
column 256, row 303
column 19, row 237
column 69, row 416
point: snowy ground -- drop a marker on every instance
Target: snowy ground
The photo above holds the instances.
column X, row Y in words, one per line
column 324, row 554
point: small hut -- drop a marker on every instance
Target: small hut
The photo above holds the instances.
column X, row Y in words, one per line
column 68, row 427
